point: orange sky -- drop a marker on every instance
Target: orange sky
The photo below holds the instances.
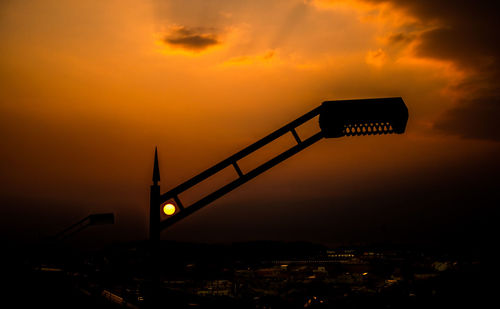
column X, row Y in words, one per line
column 88, row 88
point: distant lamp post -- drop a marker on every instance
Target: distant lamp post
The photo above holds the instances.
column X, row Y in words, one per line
column 90, row 220
column 101, row 219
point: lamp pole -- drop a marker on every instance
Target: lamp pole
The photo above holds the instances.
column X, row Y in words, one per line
column 154, row 234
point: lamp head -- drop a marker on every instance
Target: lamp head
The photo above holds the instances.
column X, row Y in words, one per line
column 363, row 117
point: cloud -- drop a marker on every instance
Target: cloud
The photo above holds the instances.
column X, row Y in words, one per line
column 401, row 37
column 376, row 58
column 473, row 118
column 193, row 39
column 465, row 33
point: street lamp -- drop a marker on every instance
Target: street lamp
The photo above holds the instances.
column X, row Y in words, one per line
column 90, row 220
column 336, row 119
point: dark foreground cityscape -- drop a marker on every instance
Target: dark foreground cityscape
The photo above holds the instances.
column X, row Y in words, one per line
column 262, row 274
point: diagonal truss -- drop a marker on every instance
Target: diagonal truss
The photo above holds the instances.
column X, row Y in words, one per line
column 184, row 211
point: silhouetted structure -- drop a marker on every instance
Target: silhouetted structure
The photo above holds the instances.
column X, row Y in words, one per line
column 154, row 233
column 336, row 119
column 90, row 220
column 363, row 117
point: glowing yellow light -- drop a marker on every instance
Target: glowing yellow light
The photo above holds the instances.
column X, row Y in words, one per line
column 169, row 209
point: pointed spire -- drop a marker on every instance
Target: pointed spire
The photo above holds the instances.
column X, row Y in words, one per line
column 156, row 169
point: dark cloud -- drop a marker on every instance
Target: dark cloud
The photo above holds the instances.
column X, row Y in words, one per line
column 468, row 36
column 401, row 38
column 194, row 39
column 473, row 118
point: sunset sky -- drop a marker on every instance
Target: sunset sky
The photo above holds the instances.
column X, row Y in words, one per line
column 89, row 88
